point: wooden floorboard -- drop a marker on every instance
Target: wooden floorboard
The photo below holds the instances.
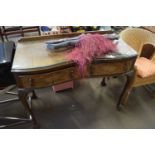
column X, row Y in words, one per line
column 88, row 106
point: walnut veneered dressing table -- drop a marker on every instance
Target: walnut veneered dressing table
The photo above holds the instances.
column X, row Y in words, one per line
column 34, row 67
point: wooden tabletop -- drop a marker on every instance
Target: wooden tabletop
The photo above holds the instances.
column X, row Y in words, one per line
column 33, row 54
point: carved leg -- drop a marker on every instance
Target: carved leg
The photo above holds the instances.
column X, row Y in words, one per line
column 154, row 94
column 127, row 89
column 23, row 96
column 103, row 83
column 34, row 96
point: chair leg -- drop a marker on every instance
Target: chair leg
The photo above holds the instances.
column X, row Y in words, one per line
column 2, row 39
column 6, row 37
column 1, row 34
column 11, row 93
column 39, row 31
column 22, row 32
column 9, row 100
column 14, row 121
column 7, row 90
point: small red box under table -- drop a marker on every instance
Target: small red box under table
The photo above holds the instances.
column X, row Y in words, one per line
column 63, row 86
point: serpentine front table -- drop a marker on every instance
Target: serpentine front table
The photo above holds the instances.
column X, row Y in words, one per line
column 34, row 67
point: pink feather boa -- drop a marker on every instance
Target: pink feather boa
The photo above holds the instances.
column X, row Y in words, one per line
column 89, row 47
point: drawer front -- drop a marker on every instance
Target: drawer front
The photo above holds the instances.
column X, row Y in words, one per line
column 47, row 79
column 108, row 69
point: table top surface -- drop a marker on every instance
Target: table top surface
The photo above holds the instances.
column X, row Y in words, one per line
column 33, row 54
column 6, row 52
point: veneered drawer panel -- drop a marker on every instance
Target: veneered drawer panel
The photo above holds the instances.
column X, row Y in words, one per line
column 109, row 68
column 47, row 79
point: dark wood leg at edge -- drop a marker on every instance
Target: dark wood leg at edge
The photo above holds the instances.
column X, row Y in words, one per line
column 34, row 96
column 23, row 96
column 103, row 82
column 127, row 89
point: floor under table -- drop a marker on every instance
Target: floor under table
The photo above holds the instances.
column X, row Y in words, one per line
column 87, row 106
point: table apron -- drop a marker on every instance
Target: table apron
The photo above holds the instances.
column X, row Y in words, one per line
column 71, row 73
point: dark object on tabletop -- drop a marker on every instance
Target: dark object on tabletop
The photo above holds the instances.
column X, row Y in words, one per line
column 65, row 29
column 84, row 28
column 45, row 28
column 62, row 43
column 91, row 28
column 7, row 50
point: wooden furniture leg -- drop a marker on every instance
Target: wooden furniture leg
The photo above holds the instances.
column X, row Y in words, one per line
column 127, row 89
column 103, row 82
column 39, row 31
column 6, row 37
column 21, row 29
column 23, row 96
column 34, row 96
column 2, row 39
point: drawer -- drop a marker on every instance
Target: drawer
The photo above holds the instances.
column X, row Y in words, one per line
column 109, row 68
column 47, row 79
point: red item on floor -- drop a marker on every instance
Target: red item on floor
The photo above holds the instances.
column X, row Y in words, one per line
column 63, row 86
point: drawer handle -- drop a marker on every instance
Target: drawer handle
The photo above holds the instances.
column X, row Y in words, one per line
column 30, row 82
column 71, row 73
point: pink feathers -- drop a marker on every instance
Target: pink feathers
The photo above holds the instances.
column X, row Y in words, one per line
column 89, row 47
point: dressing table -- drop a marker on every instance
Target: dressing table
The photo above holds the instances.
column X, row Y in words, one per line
column 34, row 67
